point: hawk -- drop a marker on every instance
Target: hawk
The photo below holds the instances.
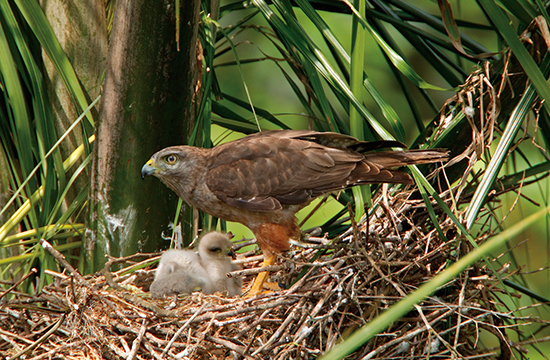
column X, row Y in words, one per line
column 263, row 179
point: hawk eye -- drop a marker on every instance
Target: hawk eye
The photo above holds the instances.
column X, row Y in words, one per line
column 171, row 159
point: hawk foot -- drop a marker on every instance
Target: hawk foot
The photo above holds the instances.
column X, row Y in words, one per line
column 260, row 281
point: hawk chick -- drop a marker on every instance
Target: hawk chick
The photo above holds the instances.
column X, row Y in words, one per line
column 185, row 271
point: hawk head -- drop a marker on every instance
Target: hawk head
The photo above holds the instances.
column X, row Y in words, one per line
column 176, row 166
column 164, row 162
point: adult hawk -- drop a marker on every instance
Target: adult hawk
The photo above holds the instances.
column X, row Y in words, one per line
column 263, row 179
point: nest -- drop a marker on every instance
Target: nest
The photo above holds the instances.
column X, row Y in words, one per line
column 334, row 286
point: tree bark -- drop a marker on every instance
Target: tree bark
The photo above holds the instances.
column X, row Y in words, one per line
column 81, row 29
column 147, row 104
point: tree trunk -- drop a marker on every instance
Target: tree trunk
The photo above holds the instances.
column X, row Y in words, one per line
column 81, row 29
column 147, row 104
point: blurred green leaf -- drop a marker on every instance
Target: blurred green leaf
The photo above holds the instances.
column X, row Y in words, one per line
column 502, row 23
column 43, row 32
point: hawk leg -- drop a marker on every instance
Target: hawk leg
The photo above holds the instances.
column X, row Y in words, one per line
column 257, row 286
column 272, row 238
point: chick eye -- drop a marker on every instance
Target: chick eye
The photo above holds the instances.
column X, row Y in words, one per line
column 171, row 159
column 216, row 250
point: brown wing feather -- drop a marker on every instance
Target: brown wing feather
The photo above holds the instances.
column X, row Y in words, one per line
column 281, row 171
column 264, row 171
column 330, row 139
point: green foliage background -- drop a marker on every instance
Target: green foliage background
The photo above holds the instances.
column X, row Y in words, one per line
column 300, row 67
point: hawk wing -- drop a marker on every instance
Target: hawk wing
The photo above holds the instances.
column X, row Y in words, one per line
column 264, row 171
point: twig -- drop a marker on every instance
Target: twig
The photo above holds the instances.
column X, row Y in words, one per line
column 249, row 259
column 149, row 347
column 178, row 333
column 256, row 330
column 57, row 350
column 304, row 329
column 149, row 305
column 143, row 263
column 33, row 271
column 239, row 245
column 41, row 339
column 254, row 271
column 305, row 245
column 137, row 341
column 246, row 310
column 203, row 335
column 354, row 227
column 61, row 259
column 255, row 324
column 318, row 240
column 319, row 204
column 228, row 344
column 276, row 335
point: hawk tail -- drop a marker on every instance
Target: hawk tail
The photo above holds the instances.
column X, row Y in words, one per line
column 395, row 159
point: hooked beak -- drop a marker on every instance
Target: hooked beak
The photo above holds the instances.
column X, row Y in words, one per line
column 148, row 169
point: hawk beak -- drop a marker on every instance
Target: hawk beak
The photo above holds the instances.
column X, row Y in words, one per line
column 148, row 169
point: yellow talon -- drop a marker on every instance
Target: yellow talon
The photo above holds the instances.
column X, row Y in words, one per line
column 258, row 285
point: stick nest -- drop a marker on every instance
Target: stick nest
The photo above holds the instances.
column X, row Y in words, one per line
column 334, row 286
